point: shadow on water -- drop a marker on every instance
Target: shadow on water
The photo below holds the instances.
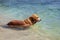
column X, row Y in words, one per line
column 6, row 26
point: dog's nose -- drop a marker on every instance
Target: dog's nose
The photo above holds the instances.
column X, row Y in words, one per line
column 39, row 19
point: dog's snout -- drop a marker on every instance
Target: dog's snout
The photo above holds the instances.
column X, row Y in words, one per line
column 39, row 19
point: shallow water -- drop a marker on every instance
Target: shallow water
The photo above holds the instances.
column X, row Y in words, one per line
column 50, row 15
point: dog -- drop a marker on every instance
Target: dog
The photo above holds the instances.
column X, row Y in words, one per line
column 25, row 23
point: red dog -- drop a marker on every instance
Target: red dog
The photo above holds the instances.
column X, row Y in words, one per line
column 26, row 23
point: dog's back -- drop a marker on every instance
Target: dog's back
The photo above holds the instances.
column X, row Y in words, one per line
column 16, row 22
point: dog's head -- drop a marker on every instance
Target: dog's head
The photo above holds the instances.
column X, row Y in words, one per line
column 36, row 17
column 32, row 19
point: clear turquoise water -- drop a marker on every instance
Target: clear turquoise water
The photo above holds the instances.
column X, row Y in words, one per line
column 50, row 14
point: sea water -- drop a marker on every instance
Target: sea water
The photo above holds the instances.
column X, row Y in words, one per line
column 48, row 27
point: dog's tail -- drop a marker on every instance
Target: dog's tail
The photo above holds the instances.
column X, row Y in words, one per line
column 9, row 23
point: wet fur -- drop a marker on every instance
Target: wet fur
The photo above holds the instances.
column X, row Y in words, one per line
column 18, row 23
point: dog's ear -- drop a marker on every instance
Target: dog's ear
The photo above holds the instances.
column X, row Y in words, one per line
column 35, row 16
column 33, row 21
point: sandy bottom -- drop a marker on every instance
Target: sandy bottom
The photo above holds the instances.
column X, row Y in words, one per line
column 14, row 34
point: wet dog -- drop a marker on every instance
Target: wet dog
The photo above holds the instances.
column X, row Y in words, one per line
column 25, row 23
